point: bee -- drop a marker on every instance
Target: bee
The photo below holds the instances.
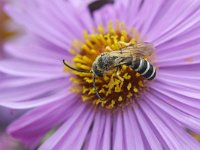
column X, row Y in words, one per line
column 132, row 55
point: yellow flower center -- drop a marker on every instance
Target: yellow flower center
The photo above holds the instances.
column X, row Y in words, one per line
column 118, row 87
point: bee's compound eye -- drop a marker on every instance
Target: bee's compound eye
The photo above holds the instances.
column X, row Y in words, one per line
column 97, row 71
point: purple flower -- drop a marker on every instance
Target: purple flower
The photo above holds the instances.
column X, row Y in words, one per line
column 134, row 113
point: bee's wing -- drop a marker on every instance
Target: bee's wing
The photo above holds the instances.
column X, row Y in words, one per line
column 130, row 53
column 142, row 50
column 138, row 51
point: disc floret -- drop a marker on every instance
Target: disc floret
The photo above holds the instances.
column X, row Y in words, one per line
column 118, row 88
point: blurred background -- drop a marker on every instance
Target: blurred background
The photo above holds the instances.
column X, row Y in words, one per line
column 7, row 115
column 8, row 31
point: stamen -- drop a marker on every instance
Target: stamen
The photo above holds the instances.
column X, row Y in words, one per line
column 117, row 88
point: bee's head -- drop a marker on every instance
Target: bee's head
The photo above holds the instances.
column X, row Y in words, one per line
column 96, row 71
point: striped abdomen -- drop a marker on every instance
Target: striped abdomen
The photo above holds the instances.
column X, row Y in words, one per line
column 143, row 67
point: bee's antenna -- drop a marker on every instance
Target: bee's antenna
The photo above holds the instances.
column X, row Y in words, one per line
column 79, row 70
column 95, row 88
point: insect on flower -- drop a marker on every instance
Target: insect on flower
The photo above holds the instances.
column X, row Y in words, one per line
column 135, row 114
column 132, row 55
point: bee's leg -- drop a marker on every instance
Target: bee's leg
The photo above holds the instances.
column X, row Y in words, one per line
column 111, row 85
column 108, row 48
column 118, row 74
column 124, row 43
column 112, row 82
column 95, row 88
column 119, row 77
